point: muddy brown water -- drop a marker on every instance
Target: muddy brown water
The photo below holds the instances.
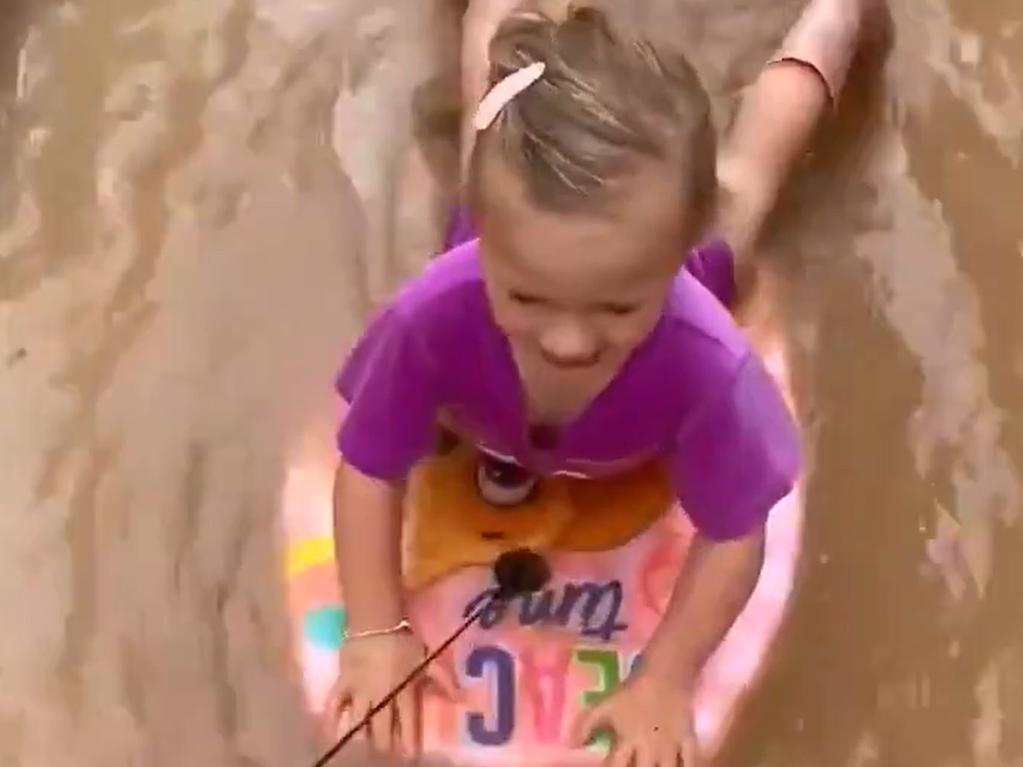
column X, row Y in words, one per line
column 201, row 199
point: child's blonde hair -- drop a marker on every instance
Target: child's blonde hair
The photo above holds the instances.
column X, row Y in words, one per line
column 606, row 100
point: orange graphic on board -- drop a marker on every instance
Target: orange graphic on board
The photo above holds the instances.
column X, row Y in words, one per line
column 450, row 526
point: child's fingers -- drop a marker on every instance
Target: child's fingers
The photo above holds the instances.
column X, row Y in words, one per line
column 588, row 722
column 443, row 678
column 645, row 755
column 407, row 706
column 690, row 749
column 337, row 700
column 668, row 754
column 339, row 695
column 345, row 722
column 381, row 730
column 355, row 712
column 621, row 756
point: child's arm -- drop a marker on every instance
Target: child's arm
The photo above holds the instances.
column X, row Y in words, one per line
column 780, row 113
column 712, row 589
column 730, row 465
column 367, row 544
column 653, row 713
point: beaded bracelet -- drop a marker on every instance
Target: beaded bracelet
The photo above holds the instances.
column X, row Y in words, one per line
column 397, row 628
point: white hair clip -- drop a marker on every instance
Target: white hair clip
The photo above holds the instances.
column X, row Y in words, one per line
column 504, row 91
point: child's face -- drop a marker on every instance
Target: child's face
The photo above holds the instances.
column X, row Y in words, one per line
column 576, row 293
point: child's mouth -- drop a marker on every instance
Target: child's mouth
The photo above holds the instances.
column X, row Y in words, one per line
column 570, row 363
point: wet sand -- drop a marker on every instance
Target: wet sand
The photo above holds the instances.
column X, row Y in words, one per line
column 202, row 200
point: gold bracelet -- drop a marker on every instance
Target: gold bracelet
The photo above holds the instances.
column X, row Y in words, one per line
column 397, row 628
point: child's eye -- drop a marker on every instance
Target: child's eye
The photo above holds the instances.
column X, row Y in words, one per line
column 619, row 310
column 524, row 299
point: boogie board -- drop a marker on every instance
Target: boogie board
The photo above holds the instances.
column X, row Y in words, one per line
column 528, row 667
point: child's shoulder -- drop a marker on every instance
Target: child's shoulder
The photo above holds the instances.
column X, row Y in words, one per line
column 706, row 362
column 450, row 284
column 697, row 351
column 697, row 319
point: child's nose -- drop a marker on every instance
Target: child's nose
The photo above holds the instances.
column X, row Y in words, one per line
column 569, row 343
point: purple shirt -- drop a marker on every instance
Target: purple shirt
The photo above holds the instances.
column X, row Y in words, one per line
column 693, row 392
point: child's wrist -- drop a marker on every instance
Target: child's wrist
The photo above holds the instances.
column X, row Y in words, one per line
column 825, row 39
column 401, row 627
column 385, row 616
column 669, row 663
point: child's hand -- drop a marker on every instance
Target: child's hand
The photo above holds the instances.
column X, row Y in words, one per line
column 651, row 720
column 369, row 669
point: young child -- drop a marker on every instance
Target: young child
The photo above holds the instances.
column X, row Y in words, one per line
column 586, row 331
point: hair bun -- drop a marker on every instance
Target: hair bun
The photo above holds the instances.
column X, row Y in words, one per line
column 609, row 98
